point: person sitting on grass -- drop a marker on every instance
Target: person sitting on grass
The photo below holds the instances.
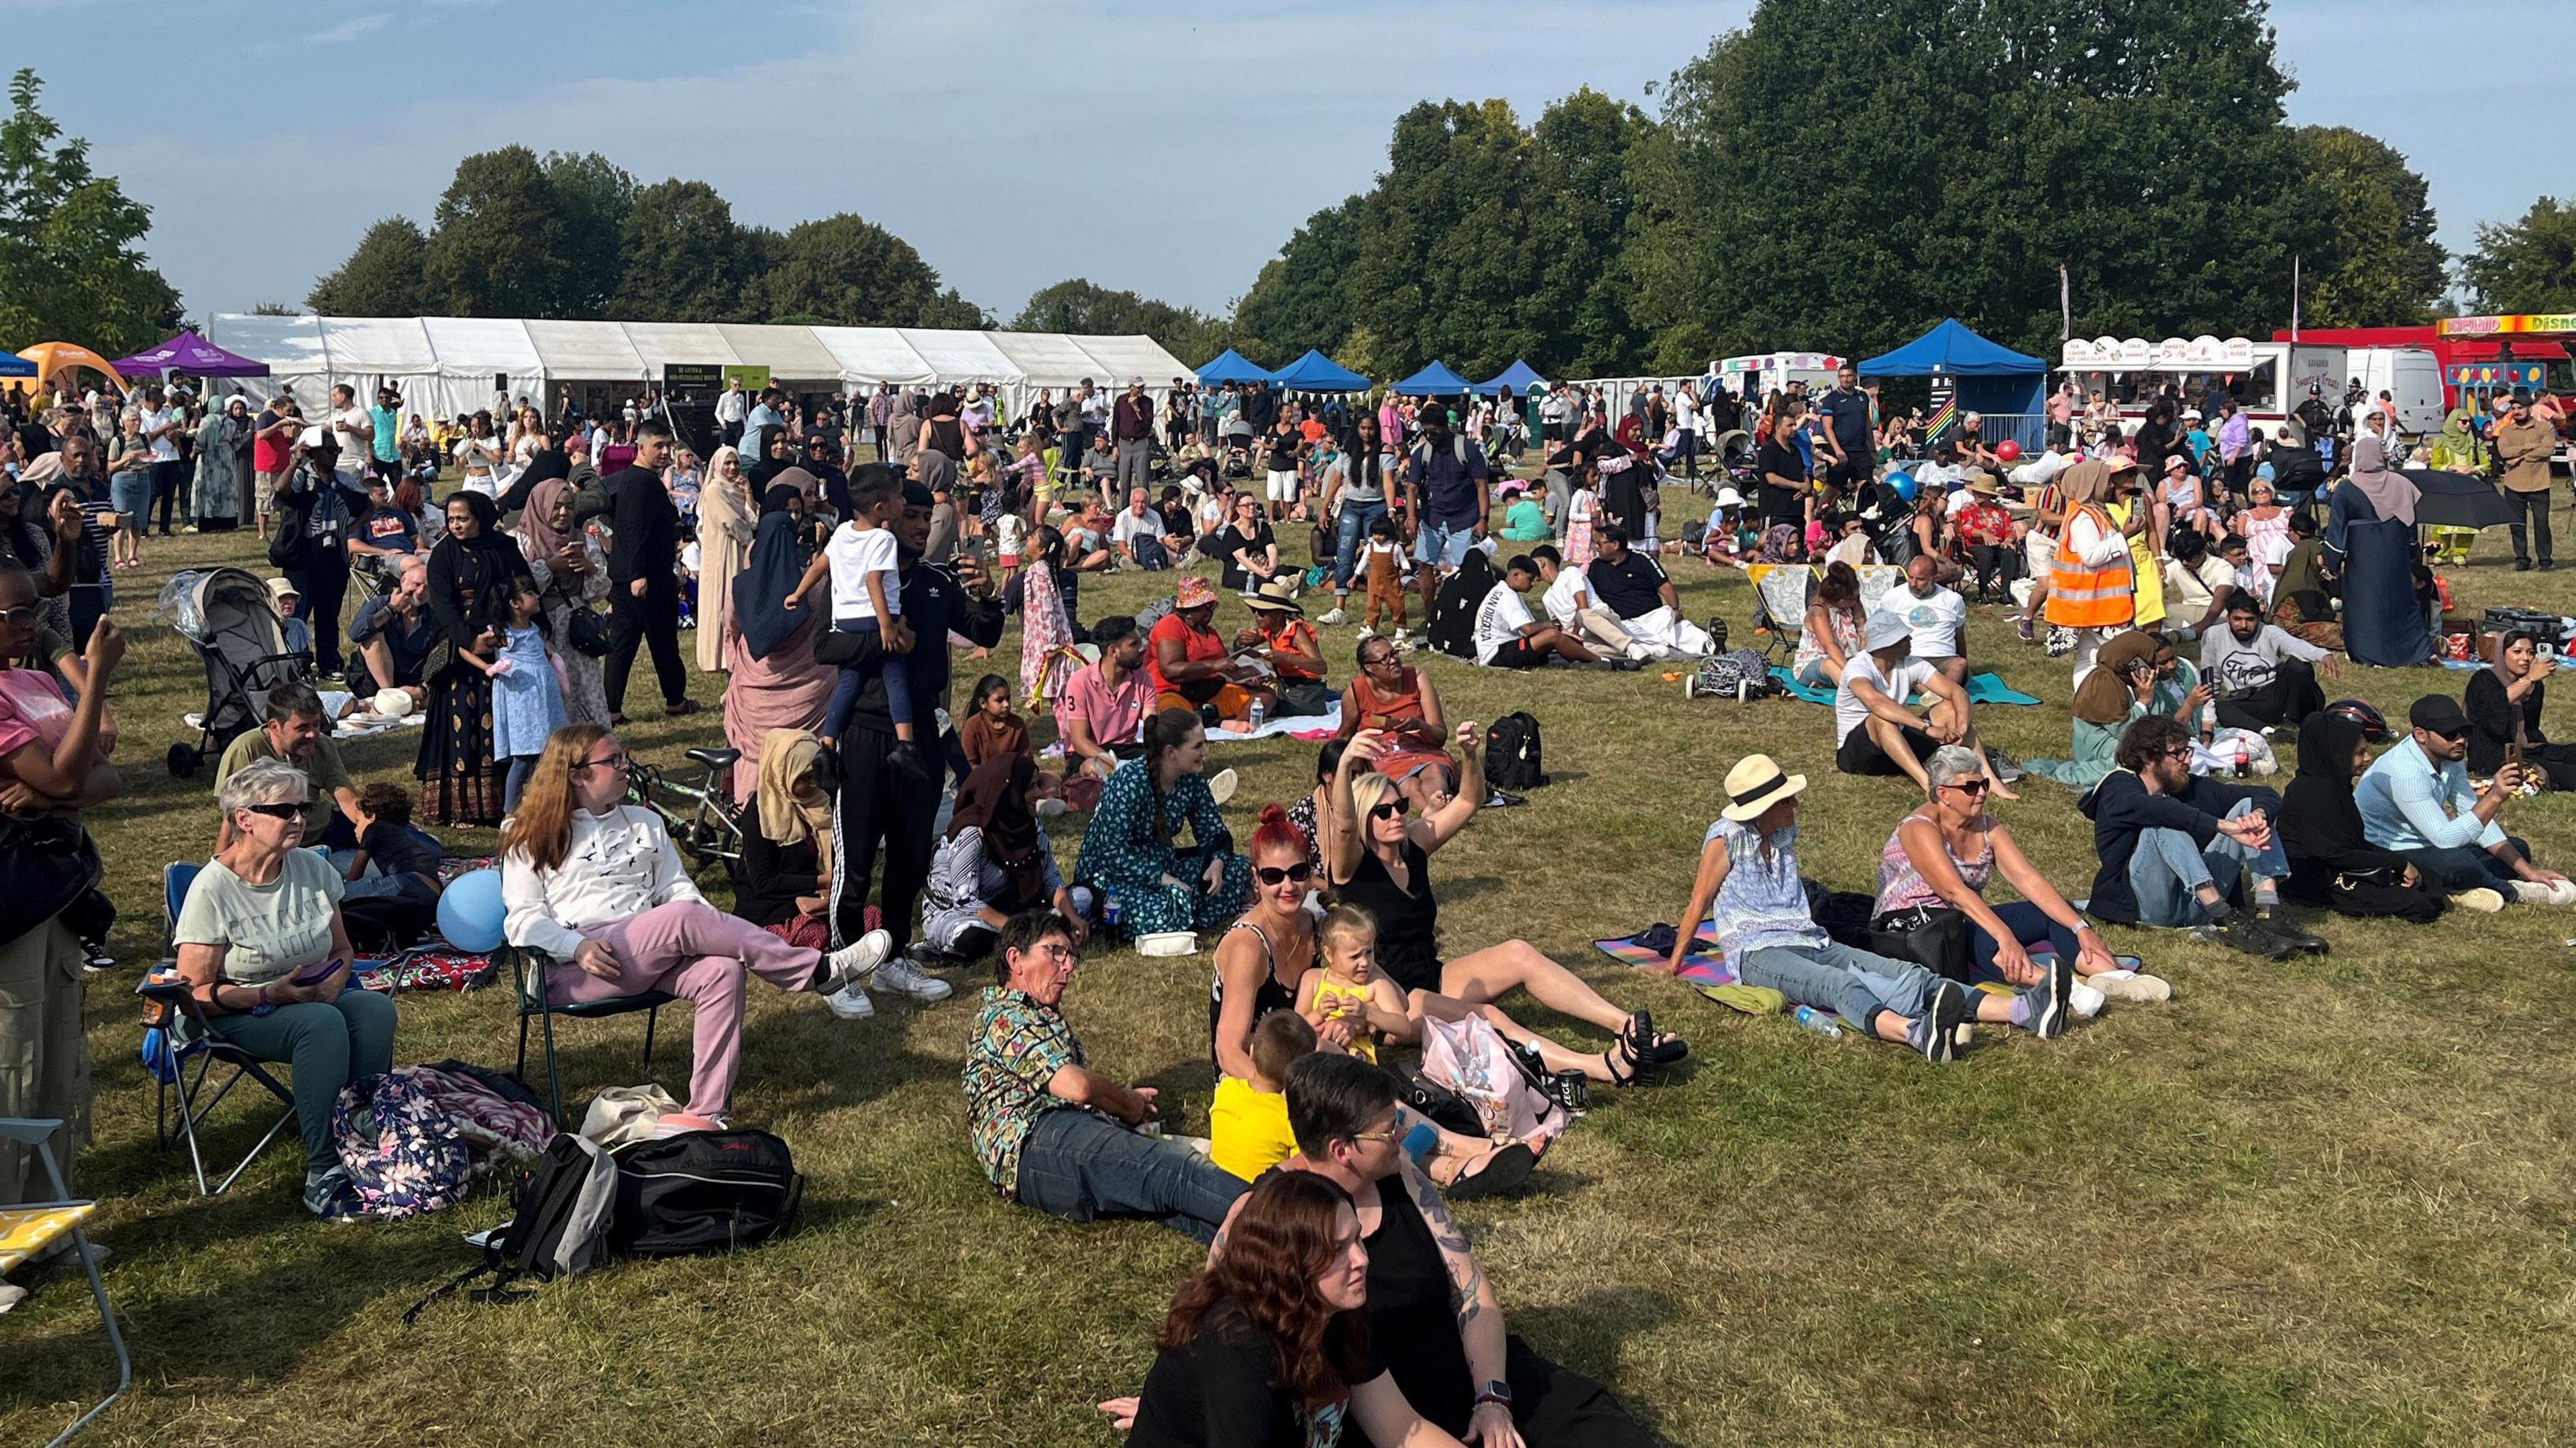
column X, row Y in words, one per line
column 2208, row 863
column 1508, row 637
column 291, row 733
column 2417, row 802
column 1877, row 733
column 405, row 860
column 994, row 863
column 1398, row 700
column 1748, row 882
column 1052, row 1133
column 2136, row 674
column 1248, row 1120
column 2332, row 862
column 263, row 949
column 2264, row 674
column 1131, row 849
column 1943, row 855
column 595, row 883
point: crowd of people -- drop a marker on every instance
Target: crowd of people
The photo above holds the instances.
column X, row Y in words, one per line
column 896, row 833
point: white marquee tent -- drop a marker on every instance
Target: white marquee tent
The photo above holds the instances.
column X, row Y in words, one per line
column 452, row 365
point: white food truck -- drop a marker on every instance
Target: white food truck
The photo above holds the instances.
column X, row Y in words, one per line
column 2268, row 379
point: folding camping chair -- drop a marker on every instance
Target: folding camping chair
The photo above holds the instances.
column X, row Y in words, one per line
column 186, row 1045
column 528, row 967
column 27, row 1232
column 1780, row 592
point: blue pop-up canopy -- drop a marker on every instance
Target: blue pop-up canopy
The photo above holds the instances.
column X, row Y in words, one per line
column 1435, row 380
column 1520, row 377
column 1316, row 372
column 1231, row 366
column 1952, row 350
column 14, row 366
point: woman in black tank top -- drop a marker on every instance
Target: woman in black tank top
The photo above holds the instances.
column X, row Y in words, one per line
column 1381, row 862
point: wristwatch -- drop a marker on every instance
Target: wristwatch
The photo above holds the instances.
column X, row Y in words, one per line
column 1496, row 1391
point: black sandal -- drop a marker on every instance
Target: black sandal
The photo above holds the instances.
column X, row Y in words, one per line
column 1642, row 1043
column 1507, row 1168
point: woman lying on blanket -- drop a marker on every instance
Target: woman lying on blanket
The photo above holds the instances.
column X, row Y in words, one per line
column 1943, row 855
column 1381, row 862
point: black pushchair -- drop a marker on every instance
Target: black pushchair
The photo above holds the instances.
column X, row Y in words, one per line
column 225, row 614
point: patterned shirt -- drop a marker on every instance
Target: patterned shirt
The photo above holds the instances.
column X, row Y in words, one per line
column 1017, row 1048
column 1761, row 904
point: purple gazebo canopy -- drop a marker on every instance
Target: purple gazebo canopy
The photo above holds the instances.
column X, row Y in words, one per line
column 191, row 354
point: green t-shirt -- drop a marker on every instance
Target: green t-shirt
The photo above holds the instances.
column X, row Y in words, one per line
column 270, row 931
column 323, row 774
column 1525, row 522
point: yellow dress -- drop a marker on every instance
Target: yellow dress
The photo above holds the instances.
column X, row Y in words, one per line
column 1247, row 1129
column 1328, row 995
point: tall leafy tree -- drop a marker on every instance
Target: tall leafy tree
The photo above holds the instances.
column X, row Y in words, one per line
column 680, row 256
column 593, row 197
column 382, row 278
column 1083, row 307
column 1297, row 301
column 501, row 248
column 71, row 265
column 1584, row 153
column 2527, row 265
column 2382, row 266
column 859, row 274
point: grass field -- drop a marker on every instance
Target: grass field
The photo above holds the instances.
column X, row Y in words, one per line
column 2323, row 1202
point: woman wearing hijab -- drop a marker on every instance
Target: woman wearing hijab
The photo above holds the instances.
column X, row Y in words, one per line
column 726, row 526
column 219, row 467
column 1047, row 660
column 2092, row 587
column 571, row 574
column 2370, row 542
column 2136, row 674
column 769, row 652
column 2503, row 705
column 2331, row 862
column 786, row 882
column 995, row 861
column 469, row 575
column 2457, row 447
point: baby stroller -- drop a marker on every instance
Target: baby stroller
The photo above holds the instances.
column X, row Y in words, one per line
column 224, row 613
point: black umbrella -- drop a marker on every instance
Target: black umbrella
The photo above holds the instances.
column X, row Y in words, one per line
column 2456, row 500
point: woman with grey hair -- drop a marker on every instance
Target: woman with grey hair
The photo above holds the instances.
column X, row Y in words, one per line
column 1943, row 855
column 266, row 955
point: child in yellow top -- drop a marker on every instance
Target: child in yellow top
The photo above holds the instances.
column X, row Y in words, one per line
column 1347, row 987
column 1248, row 1124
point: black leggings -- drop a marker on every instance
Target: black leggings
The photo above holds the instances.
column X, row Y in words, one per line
column 319, row 593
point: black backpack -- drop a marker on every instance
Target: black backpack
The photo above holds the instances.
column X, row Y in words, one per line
column 1512, row 753
column 1452, row 625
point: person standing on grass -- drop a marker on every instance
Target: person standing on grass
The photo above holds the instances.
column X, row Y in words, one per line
column 644, row 587
column 1052, row 1133
column 1445, row 490
column 1131, row 423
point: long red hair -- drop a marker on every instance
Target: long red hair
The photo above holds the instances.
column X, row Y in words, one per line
column 1281, row 1241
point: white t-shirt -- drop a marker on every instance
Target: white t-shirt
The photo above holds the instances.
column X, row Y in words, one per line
column 1132, row 526
column 1935, row 621
column 352, row 429
column 1499, row 620
column 165, row 448
column 1570, row 592
column 854, row 556
column 1850, row 712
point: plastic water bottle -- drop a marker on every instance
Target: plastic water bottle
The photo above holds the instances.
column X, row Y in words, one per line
column 1818, row 1022
column 1109, row 908
column 1260, row 714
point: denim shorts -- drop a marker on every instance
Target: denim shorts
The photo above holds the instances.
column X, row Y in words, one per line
column 1443, row 544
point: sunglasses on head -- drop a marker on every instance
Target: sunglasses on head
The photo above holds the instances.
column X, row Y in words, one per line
column 1391, row 810
column 1273, row 874
column 277, row 811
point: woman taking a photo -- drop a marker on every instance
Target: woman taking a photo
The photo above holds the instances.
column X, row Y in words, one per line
column 264, row 951
column 597, row 885
column 1129, row 850
column 1399, row 702
column 1379, row 861
column 570, row 574
column 470, row 572
column 2503, row 704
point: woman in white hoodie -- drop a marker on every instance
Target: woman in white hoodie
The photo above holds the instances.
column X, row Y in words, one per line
column 596, row 883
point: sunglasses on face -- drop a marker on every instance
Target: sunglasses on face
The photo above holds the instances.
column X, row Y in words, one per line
column 1968, row 786
column 2448, row 736
column 277, row 811
column 1273, row 875
column 1391, row 810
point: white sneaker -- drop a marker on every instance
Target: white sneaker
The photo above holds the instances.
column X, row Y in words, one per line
column 2562, row 892
column 2135, row 987
column 2084, row 1001
column 905, row 978
column 1366, row 632
column 11, row 1294
column 850, row 1003
column 1336, row 616
column 853, row 963
column 2481, row 899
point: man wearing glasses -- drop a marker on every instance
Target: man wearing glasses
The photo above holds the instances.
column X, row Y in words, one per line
column 2416, row 801
column 2174, row 862
column 1056, row 1135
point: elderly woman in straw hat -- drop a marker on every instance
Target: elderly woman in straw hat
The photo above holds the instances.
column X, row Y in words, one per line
column 1748, row 881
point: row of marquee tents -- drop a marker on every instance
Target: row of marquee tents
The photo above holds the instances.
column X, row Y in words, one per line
column 446, row 366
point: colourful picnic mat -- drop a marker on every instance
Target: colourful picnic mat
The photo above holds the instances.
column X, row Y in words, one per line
column 1982, row 689
column 1703, row 968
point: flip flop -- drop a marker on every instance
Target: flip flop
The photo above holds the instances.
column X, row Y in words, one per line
column 1507, row 1168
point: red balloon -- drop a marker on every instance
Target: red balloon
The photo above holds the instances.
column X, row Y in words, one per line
column 2008, row 450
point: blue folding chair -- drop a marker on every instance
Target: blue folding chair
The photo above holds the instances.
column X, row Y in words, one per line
column 184, row 1052
column 29, row 1231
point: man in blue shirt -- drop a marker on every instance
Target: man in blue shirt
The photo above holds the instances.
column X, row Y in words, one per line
column 1850, row 438
column 1446, row 479
column 2416, row 801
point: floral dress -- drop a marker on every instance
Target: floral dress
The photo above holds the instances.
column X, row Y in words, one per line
column 1579, row 548
column 585, row 699
column 1129, row 850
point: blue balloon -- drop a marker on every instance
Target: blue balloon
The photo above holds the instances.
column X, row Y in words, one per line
column 1903, row 485
column 469, row 914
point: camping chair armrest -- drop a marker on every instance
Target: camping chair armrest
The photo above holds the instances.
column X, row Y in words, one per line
column 528, row 966
column 179, row 995
column 27, row 1130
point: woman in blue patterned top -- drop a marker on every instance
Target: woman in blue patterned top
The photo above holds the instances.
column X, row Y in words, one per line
column 1130, row 847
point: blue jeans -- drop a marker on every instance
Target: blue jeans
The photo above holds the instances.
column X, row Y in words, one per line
column 2170, row 867
column 1080, row 1165
column 845, row 694
column 2029, row 925
column 1444, row 545
column 2465, row 867
column 1853, row 984
column 1356, row 520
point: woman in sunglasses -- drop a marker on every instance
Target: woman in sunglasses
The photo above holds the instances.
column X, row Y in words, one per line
column 1380, row 861
column 265, row 953
column 1943, row 855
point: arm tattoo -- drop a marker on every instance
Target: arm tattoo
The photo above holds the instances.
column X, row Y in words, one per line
column 1466, row 1281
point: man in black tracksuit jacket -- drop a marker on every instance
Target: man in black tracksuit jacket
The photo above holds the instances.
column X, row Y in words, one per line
column 644, row 584
column 890, row 792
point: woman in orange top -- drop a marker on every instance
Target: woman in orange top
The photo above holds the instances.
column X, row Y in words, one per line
column 1386, row 695
column 1279, row 629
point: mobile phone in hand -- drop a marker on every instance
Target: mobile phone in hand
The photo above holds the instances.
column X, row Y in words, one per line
column 316, row 973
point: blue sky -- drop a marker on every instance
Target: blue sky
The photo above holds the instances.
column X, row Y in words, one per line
column 267, row 136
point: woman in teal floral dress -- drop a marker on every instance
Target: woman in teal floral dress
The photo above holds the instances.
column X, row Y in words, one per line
column 1130, row 851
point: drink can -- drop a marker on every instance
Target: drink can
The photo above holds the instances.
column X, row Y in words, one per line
column 1109, row 908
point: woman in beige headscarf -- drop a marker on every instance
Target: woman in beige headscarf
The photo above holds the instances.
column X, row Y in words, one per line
column 786, row 885
column 726, row 523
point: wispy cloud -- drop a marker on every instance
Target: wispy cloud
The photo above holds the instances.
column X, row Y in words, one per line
column 350, row 29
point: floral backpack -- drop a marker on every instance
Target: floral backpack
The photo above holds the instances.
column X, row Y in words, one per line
column 415, row 1139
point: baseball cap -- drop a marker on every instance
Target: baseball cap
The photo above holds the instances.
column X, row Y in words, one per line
column 2439, row 713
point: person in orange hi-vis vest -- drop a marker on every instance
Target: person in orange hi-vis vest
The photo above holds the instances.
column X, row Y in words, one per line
column 2091, row 584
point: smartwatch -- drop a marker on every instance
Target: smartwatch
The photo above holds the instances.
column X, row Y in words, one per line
column 1496, row 1391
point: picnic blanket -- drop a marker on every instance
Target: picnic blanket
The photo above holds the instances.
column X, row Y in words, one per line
column 1703, row 968
column 428, row 967
column 1303, row 726
column 1982, row 689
